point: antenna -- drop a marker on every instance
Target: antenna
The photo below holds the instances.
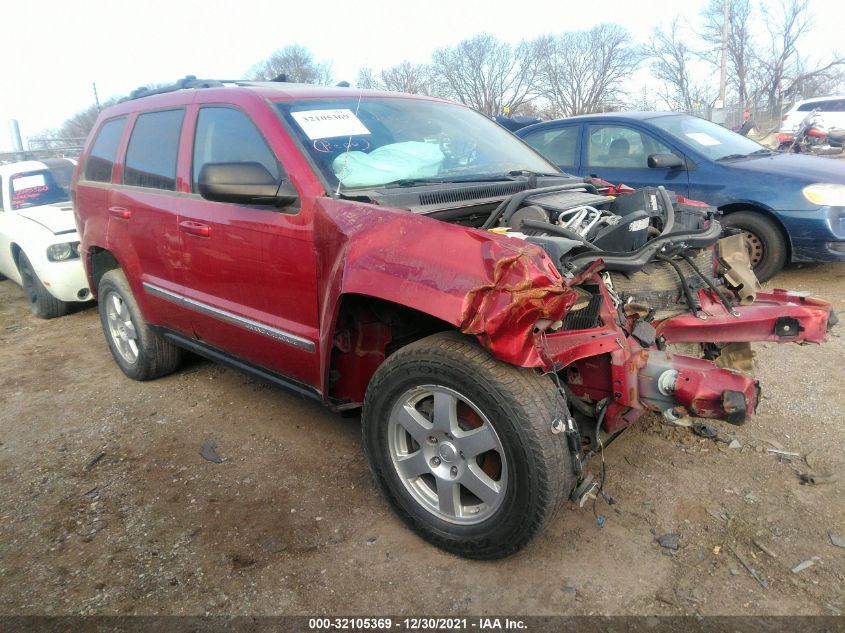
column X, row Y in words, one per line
column 349, row 143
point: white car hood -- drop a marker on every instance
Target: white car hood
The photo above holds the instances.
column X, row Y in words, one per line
column 57, row 218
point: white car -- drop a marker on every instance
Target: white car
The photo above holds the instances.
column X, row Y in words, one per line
column 39, row 245
column 832, row 110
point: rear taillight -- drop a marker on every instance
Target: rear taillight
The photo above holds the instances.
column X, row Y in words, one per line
column 785, row 117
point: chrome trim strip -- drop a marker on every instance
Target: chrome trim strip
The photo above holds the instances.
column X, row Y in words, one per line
column 248, row 324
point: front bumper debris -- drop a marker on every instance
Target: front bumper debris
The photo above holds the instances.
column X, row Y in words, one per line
column 606, row 362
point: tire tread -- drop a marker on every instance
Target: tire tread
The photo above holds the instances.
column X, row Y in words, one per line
column 157, row 356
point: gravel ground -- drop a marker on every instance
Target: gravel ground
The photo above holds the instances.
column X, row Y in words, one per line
column 107, row 507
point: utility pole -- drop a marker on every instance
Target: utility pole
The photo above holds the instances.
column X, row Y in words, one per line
column 97, row 98
column 724, row 73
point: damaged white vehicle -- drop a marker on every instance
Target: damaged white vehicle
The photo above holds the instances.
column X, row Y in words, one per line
column 39, row 244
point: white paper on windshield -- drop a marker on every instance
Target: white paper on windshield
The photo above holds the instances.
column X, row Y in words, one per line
column 702, row 138
column 28, row 182
column 328, row 123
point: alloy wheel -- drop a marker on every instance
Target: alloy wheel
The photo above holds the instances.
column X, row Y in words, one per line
column 447, row 454
column 121, row 329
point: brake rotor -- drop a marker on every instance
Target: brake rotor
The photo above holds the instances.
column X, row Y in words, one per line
column 490, row 462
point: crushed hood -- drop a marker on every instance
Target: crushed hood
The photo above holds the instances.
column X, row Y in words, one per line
column 56, row 218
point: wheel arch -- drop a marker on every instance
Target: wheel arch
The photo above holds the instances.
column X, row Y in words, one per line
column 767, row 213
column 366, row 330
column 100, row 261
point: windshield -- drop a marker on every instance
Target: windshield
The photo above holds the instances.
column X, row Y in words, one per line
column 396, row 140
column 42, row 186
column 712, row 140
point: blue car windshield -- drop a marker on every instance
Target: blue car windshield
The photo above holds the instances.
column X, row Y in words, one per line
column 713, row 141
column 377, row 141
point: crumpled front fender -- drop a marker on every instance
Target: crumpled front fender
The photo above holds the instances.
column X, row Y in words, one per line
column 490, row 286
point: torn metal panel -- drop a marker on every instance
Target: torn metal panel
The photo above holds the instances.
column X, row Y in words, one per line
column 503, row 312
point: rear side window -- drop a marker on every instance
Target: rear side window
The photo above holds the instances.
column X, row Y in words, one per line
column 558, row 145
column 824, row 106
column 153, row 150
column 226, row 135
column 103, row 152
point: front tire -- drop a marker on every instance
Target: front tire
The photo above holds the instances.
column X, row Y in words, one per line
column 41, row 302
column 766, row 245
column 139, row 351
column 461, row 445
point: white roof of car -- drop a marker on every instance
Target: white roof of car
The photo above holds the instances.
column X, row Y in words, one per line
column 21, row 166
column 32, row 165
column 813, row 99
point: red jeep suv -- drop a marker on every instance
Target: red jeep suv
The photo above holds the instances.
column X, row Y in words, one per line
column 498, row 321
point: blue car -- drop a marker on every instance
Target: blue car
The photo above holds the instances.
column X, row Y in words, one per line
column 790, row 207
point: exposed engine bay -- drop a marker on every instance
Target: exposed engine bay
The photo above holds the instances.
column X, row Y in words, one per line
column 666, row 303
column 655, row 249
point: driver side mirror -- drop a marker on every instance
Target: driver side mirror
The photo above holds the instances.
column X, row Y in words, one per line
column 665, row 161
column 244, row 183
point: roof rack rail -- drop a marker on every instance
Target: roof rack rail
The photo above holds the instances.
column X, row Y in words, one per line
column 189, row 81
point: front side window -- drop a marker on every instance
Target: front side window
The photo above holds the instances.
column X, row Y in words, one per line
column 226, row 135
column 103, row 152
column 558, row 144
column 621, row 147
column 153, row 150
column 374, row 141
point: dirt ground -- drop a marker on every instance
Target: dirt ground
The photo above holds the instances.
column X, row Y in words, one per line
column 107, row 507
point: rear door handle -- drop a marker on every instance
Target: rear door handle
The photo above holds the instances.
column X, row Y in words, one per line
column 195, row 228
column 120, row 212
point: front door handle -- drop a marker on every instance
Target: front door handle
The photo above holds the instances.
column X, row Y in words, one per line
column 120, row 212
column 195, row 228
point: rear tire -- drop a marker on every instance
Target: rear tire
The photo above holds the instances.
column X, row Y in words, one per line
column 41, row 302
column 461, row 446
column 767, row 247
column 139, row 351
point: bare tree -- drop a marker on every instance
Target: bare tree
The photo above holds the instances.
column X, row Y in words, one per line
column 740, row 42
column 367, row 79
column 486, row 74
column 79, row 124
column 671, row 62
column 582, row 71
column 781, row 71
column 407, row 77
column 296, row 63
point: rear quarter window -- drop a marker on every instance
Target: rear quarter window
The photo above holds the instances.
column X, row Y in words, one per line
column 153, row 150
column 101, row 159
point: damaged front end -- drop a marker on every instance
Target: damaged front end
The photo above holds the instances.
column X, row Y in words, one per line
column 661, row 309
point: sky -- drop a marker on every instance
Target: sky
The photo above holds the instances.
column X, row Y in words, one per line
column 53, row 51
